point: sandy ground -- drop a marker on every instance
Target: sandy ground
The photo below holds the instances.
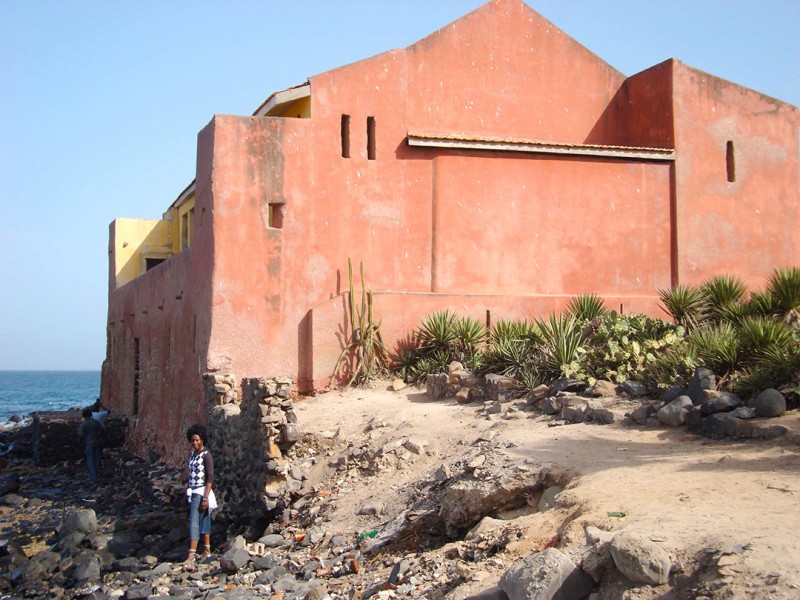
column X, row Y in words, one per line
column 737, row 501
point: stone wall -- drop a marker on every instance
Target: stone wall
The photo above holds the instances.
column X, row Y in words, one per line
column 251, row 437
column 55, row 435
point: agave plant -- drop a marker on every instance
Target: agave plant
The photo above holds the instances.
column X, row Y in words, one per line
column 586, row 307
column 508, row 356
column 470, row 334
column 761, row 334
column 718, row 347
column 721, row 291
column 734, row 312
column 437, row 330
column 686, row 304
column 763, row 304
column 776, row 368
column 561, row 338
column 784, row 285
column 511, row 330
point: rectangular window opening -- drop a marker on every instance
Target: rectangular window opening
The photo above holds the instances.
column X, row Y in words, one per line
column 730, row 162
column 135, row 376
column 371, row 145
column 151, row 263
column 276, row 216
column 185, row 231
column 345, row 136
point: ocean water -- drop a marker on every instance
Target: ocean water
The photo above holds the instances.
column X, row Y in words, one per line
column 24, row 392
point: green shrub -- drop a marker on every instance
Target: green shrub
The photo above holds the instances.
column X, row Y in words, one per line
column 721, row 292
column 364, row 355
column 784, row 285
column 560, row 346
column 686, row 304
column 623, row 347
column 718, row 347
column 586, row 307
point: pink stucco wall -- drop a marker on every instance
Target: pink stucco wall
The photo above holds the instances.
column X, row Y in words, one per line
column 473, row 231
column 747, row 227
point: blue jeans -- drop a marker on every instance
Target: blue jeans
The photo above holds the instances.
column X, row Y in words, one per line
column 199, row 521
column 92, row 458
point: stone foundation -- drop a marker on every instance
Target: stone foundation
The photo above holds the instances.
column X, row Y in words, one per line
column 251, row 438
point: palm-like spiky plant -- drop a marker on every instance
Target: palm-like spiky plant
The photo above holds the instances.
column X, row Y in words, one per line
column 784, row 285
column 717, row 347
column 514, row 330
column 763, row 304
column 776, row 368
column 721, row 292
column 561, row 343
column 759, row 334
column 586, row 307
column 688, row 305
column 470, row 334
column 437, row 330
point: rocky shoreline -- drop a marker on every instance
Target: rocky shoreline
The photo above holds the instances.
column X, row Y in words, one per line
column 63, row 536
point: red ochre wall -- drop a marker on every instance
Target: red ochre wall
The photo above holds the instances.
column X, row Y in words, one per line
column 494, row 235
column 747, row 227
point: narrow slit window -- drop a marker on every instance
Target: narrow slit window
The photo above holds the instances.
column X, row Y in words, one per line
column 730, row 162
column 370, row 138
column 345, row 136
column 276, row 216
column 185, row 231
column 136, row 376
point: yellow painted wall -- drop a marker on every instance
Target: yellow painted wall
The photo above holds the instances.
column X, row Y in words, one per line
column 185, row 209
column 135, row 239
column 299, row 109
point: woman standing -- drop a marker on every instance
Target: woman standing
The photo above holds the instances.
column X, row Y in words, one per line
column 201, row 497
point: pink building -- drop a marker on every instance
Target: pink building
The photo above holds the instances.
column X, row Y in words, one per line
column 496, row 167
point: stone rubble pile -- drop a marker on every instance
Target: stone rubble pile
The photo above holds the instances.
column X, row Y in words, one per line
column 700, row 407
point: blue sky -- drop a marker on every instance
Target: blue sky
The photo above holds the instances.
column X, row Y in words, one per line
column 101, row 102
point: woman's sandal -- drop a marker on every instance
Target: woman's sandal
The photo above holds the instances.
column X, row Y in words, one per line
column 190, row 558
column 206, row 551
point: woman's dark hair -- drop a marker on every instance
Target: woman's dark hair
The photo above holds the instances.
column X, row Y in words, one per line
column 199, row 430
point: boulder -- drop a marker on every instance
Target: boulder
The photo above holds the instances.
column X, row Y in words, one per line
column 704, row 379
column 9, row 483
column 544, row 576
column 548, row 499
column 723, row 402
column 715, row 426
column 674, row 413
column 672, row 393
column 540, row 392
column 563, row 384
column 83, row 520
column 598, row 561
column 639, row 559
column 641, row 414
column 770, row 403
column 87, row 569
column 635, row 388
column 551, row 406
column 233, row 560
